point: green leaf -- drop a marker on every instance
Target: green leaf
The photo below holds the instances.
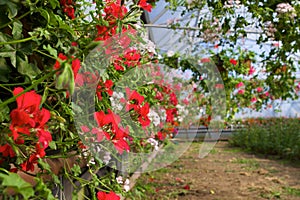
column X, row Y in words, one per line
column 4, row 70
column 12, row 8
column 20, row 186
column 43, row 190
column 27, row 69
column 11, row 54
column 76, row 170
column 54, row 3
column 4, row 112
column 17, row 30
column 52, row 145
column 51, row 50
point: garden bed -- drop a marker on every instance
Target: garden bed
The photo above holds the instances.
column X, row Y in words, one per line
column 226, row 173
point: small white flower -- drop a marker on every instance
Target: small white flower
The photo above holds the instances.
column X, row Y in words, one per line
column 127, row 181
column 126, row 188
column 119, row 179
column 106, row 158
column 189, row 2
column 154, row 117
column 170, row 53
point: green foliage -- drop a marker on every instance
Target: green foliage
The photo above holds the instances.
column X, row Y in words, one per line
column 16, row 184
column 274, row 136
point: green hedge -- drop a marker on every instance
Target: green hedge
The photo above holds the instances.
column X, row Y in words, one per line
column 272, row 136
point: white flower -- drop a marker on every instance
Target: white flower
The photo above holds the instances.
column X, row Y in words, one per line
column 91, row 162
column 119, row 179
column 126, row 188
column 286, row 8
column 189, row 2
column 126, row 185
column 170, row 53
column 154, row 117
column 153, row 142
column 106, row 158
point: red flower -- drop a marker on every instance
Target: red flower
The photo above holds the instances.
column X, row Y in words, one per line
column 132, row 58
column 241, row 91
column 29, row 119
column 259, row 89
column 173, row 99
column 121, row 145
column 7, row 150
column 104, row 87
column 100, row 134
column 67, row 6
column 61, row 58
column 146, row 6
column 27, row 115
column 240, row 84
column 233, row 61
column 205, row 60
column 143, row 115
column 107, row 119
column 251, row 70
column 161, row 136
column 75, row 66
column 135, row 98
column 107, row 196
column 170, row 114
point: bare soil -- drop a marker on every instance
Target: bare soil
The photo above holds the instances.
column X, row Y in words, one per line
column 226, row 173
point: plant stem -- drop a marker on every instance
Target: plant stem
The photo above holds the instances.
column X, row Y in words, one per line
column 18, row 41
column 35, row 83
column 4, row 25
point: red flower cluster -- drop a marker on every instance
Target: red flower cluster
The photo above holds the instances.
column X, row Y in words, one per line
column 87, row 78
column 107, row 196
column 233, row 61
column 67, row 6
column 146, row 6
column 104, row 87
column 130, row 58
column 111, row 122
column 134, row 102
column 28, row 119
column 113, row 12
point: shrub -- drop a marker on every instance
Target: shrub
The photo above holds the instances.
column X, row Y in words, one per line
column 272, row 136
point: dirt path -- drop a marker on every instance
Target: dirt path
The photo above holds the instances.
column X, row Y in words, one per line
column 226, row 173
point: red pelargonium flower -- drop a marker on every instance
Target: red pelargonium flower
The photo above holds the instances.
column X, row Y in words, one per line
column 114, row 10
column 259, row 89
column 7, row 151
column 107, row 119
column 253, row 99
column 132, row 58
column 75, row 66
column 240, row 84
column 241, row 91
column 100, row 134
column 134, row 100
column 29, row 119
column 143, row 115
column 67, row 6
column 173, row 99
column 233, row 61
column 205, row 60
column 161, row 136
column 28, row 115
column 146, row 6
column 251, row 70
column 121, row 145
column 107, row 196
column 104, row 87
column 170, row 114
